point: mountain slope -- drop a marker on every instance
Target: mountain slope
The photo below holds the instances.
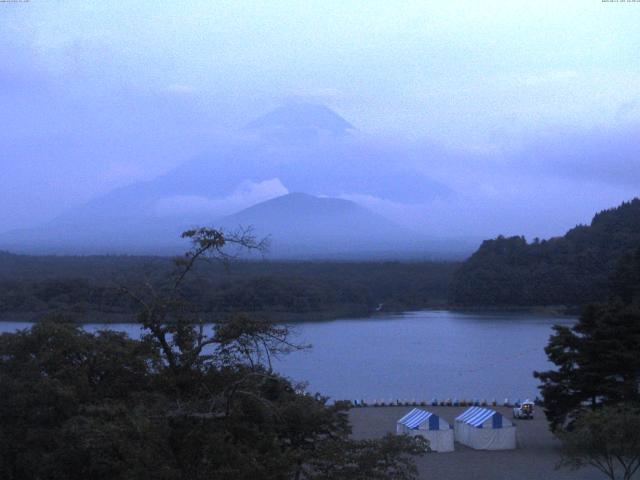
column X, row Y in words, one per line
column 299, row 223
column 571, row 270
column 305, row 118
column 297, row 147
column 298, row 226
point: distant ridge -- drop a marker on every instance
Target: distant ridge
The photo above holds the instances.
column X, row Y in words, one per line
column 303, row 204
column 571, row 270
column 302, row 223
column 299, row 226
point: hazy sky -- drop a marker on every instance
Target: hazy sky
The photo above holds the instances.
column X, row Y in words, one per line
column 540, row 101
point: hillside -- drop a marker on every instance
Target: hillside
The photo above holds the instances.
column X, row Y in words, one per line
column 303, row 224
column 569, row 270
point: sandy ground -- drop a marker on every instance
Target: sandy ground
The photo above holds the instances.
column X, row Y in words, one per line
column 535, row 458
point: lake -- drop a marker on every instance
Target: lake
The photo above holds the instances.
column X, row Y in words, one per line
column 415, row 355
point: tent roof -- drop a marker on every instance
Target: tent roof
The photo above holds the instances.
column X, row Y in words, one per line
column 476, row 416
column 415, row 417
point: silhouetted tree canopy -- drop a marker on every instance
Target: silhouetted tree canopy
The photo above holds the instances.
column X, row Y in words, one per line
column 89, row 287
column 571, row 270
column 183, row 402
column 607, row 439
column 598, row 359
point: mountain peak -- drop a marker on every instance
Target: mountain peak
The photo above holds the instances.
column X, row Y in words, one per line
column 305, row 205
column 299, row 223
column 302, row 117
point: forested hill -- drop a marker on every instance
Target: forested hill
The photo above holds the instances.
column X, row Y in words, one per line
column 89, row 287
column 571, row 270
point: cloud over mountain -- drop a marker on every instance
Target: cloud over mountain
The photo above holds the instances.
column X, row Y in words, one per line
column 246, row 194
column 298, row 147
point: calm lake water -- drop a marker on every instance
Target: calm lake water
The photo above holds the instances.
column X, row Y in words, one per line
column 415, row 355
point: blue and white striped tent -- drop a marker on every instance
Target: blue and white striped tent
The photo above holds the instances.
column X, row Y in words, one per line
column 417, row 417
column 430, row 426
column 476, row 416
column 484, row 429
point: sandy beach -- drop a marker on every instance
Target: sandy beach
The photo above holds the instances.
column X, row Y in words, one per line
column 535, row 457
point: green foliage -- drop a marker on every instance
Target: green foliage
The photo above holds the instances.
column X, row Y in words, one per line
column 90, row 287
column 181, row 403
column 390, row 457
column 57, row 384
column 78, row 405
column 570, row 270
column 598, row 359
column 608, row 439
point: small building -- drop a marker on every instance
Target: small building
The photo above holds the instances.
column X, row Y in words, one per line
column 428, row 425
column 484, row 429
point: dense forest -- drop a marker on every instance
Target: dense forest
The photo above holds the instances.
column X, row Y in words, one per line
column 178, row 403
column 90, row 287
column 571, row 270
column 505, row 272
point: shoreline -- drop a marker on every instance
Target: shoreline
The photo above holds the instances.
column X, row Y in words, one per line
column 560, row 310
column 93, row 318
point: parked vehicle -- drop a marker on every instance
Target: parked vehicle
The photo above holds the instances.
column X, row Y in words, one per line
column 524, row 410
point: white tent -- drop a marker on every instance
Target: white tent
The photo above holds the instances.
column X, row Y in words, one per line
column 430, row 426
column 485, row 429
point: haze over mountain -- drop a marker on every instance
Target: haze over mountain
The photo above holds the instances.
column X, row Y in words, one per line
column 304, row 225
column 306, row 120
column 477, row 135
column 297, row 225
column 298, row 147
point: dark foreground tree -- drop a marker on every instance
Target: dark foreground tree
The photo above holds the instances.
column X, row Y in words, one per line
column 598, row 359
column 183, row 402
column 392, row 457
column 607, row 439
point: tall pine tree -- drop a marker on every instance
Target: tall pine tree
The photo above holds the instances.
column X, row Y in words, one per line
column 598, row 359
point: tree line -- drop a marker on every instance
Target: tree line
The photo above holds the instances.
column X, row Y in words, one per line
column 90, row 287
column 573, row 270
column 180, row 403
